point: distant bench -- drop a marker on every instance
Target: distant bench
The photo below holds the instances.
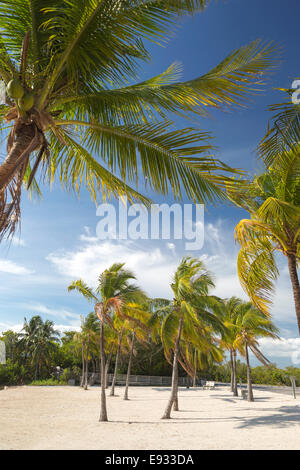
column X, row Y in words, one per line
column 209, row 385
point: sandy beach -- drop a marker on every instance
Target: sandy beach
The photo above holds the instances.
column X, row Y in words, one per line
column 67, row 418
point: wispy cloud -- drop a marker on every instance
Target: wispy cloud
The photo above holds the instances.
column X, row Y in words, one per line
column 153, row 267
column 64, row 314
column 10, row 267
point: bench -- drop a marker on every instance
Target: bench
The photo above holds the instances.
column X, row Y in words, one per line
column 209, row 385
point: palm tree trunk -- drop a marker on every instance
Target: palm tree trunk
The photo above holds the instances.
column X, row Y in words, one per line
column 85, row 385
column 195, row 380
column 167, row 413
column 129, row 368
column 292, row 263
column 87, row 365
column 231, row 370
column 83, row 366
column 235, row 389
column 107, row 368
column 103, row 410
column 24, row 136
column 112, row 391
column 249, row 380
column 176, row 405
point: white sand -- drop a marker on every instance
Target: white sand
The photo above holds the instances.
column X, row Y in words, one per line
column 67, row 418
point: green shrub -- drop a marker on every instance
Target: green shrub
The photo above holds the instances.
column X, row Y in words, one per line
column 50, row 382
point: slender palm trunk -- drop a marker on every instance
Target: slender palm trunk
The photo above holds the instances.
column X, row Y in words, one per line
column 249, row 380
column 107, row 368
column 24, row 136
column 176, row 404
column 292, row 263
column 231, row 370
column 235, row 388
column 195, row 379
column 129, row 368
column 103, row 410
column 112, row 391
column 83, row 366
column 167, row 413
column 87, row 365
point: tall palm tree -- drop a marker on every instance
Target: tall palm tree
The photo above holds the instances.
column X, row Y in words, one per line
column 273, row 201
column 114, row 290
column 249, row 325
column 201, row 355
column 229, row 336
column 39, row 340
column 138, row 330
column 184, row 317
column 73, row 112
column 88, row 340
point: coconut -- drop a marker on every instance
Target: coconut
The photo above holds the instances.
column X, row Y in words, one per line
column 26, row 102
column 14, row 89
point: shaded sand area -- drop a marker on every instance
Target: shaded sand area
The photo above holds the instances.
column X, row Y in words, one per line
column 67, row 418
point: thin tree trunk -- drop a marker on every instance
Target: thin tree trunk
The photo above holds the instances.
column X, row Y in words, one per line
column 195, row 380
column 176, row 405
column 23, row 139
column 129, row 368
column 231, row 370
column 167, row 413
column 83, row 366
column 249, row 380
column 112, row 391
column 292, row 263
column 103, row 411
column 107, row 368
column 235, row 389
column 87, row 365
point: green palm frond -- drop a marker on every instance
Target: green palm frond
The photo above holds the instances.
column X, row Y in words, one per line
column 81, row 287
column 76, row 167
column 284, row 134
column 257, row 272
column 166, row 157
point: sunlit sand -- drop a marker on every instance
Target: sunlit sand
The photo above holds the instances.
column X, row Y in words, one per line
column 67, row 418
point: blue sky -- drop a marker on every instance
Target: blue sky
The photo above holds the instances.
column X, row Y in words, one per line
column 57, row 242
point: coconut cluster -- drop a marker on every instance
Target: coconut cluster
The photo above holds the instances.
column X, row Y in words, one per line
column 24, row 99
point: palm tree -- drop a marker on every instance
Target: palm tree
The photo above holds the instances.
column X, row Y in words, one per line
column 250, row 324
column 272, row 199
column 87, row 339
column 114, row 290
column 229, row 336
column 73, row 112
column 117, row 337
column 185, row 316
column 39, row 340
column 138, row 329
column 201, row 355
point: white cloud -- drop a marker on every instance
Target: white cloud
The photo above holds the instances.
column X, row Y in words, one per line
column 10, row 267
column 286, row 348
column 37, row 308
column 18, row 327
column 152, row 267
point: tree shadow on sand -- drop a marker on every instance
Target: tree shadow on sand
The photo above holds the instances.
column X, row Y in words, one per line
column 284, row 417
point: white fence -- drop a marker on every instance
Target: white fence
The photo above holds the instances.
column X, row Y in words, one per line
column 140, row 380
